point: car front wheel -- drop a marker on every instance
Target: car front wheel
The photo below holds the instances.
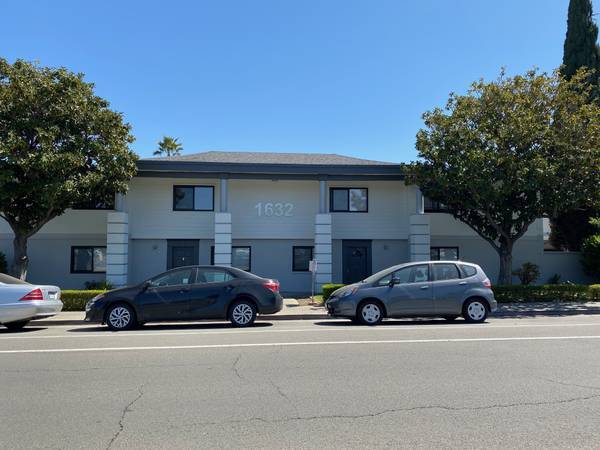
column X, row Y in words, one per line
column 242, row 313
column 16, row 326
column 474, row 311
column 370, row 313
column 120, row 317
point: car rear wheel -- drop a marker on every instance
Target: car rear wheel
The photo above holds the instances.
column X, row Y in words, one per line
column 242, row 313
column 370, row 313
column 120, row 317
column 474, row 311
column 16, row 326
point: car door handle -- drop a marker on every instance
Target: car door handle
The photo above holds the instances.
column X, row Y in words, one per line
column 424, row 287
column 462, row 283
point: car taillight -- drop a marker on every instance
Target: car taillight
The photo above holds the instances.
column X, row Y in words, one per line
column 36, row 294
column 272, row 285
column 487, row 283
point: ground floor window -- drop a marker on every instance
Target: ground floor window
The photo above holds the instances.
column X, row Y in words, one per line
column 301, row 258
column 88, row 259
column 241, row 257
column 444, row 254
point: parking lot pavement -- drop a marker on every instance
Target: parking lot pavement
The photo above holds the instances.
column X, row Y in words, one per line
column 313, row 384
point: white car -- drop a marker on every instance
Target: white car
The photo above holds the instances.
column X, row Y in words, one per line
column 21, row 302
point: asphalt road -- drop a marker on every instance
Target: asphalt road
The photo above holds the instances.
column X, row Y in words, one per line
column 525, row 383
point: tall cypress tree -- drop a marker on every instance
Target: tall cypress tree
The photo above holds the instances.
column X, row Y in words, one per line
column 570, row 228
column 581, row 48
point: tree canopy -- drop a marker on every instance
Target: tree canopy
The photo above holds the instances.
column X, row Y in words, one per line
column 60, row 145
column 168, row 146
column 509, row 152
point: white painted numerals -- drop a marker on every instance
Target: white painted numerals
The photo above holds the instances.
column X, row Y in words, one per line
column 274, row 209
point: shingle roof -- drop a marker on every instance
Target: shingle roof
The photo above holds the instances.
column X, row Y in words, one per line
column 272, row 158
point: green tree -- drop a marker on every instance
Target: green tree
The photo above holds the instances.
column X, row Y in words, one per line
column 571, row 227
column 497, row 158
column 168, row 146
column 60, row 145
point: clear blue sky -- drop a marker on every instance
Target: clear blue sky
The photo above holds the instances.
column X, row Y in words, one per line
column 340, row 76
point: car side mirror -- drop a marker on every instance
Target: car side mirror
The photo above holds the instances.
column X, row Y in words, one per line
column 393, row 282
column 146, row 285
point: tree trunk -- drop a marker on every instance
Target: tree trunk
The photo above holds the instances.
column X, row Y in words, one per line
column 20, row 253
column 505, row 252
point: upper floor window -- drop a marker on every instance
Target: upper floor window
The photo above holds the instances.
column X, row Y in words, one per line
column 193, row 198
column 444, row 253
column 433, row 206
column 88, row 259
column 349, row 200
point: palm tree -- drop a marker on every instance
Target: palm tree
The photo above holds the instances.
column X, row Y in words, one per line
column 168, row 146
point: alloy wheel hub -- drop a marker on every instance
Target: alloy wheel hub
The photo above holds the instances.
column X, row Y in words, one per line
column 242, row 314
column 119, row 317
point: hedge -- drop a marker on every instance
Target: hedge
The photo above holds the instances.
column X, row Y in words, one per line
column 547, row 293
column 328, row 289
column 530, row 293
column 76, row 300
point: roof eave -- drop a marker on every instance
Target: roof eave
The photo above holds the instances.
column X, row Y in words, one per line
column 243, row 170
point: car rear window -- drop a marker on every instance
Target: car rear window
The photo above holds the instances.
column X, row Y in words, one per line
column 468, row 271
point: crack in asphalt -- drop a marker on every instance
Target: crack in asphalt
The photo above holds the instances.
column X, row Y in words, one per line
column 107, row 368
column 398, row 410
column 565, row 383
column 284, row 396
column 123, row 414
column 235, row 368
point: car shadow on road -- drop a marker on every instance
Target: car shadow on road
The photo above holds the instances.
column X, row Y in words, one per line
column 391, row 323
column 175, row 326
column 21, row 331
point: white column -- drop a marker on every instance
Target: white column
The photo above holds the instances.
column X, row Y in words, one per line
column 323, row 250
column 117, row 248
column 223, row 239
column 419, row 237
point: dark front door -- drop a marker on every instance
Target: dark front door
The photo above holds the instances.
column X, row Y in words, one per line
column 182, row 253
column 356, row 263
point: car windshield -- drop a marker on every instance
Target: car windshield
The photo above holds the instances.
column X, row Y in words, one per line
column 376, row 276
column 7, row 279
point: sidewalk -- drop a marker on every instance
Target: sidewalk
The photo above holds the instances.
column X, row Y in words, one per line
column 293, row 311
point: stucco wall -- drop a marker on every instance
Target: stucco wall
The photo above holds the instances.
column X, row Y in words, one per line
column 149, row 203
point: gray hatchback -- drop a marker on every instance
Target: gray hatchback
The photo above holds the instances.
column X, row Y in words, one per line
column 445, row 289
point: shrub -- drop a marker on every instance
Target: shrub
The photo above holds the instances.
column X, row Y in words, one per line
column 590, row 252
column 527, row 273
column 76, row 300
column 329, row 289
column 3, row 263
column 554, row 279
column 98, row 285
column 547, row 293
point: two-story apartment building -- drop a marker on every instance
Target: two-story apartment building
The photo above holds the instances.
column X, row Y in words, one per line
column 270, row 213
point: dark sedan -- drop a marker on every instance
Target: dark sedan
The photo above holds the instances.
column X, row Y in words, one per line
column 188, row 293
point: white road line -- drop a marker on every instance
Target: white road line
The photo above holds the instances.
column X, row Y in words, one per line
column 313, row 329
column 297, row 344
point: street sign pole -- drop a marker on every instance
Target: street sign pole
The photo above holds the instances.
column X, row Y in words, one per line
column 312, row 266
